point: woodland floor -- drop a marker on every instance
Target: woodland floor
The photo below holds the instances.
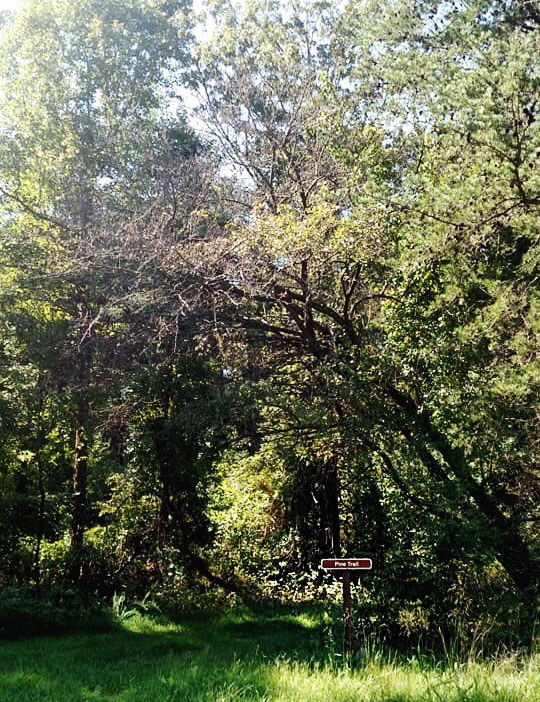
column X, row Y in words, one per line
column 243, row 657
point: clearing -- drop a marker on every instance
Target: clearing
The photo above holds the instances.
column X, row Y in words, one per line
column 245, row 657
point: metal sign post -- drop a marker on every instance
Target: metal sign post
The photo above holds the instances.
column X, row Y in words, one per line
column 346, row 565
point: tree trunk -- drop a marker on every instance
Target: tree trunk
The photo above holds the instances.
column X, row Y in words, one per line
column 41, row 523
column 80, row 468
column 330, row 517
column 41, row 487
column 80, row 480
column 79, row 496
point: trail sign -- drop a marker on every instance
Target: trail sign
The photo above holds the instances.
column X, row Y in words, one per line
column 346, row 565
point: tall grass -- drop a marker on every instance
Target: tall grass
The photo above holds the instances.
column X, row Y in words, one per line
column 249, row 657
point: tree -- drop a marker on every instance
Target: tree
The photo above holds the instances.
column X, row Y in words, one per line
column 77, row 164
column 331, row 284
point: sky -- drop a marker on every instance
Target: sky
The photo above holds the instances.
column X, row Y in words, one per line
column 14, row 4
column 9, row 4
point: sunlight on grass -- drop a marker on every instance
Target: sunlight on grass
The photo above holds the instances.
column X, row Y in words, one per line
column 295, row 683
column 143, row 625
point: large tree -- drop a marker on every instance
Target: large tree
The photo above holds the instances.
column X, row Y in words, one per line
column 87, row 127
column 377, row 284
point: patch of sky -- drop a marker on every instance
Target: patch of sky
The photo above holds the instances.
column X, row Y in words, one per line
column 10, row 5
column 282, row 262
column 443, row 17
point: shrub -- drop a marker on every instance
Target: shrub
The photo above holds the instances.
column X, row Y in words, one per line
column 26, row 613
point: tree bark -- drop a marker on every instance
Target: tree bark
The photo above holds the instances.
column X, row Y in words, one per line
column 79, row 495
column 41, row 487
column 80, row 468
column 330, row 516
column 41, row 523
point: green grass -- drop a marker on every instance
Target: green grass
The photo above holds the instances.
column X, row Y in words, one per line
column 243, row 657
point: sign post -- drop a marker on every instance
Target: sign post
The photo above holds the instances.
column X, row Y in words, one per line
column 346, row 565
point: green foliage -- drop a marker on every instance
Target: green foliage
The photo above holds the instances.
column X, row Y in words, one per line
column 305, row 323
column 247, row 511
column 24, row 613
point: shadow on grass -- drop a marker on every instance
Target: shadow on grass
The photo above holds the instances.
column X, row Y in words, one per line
column 265, row 628
column 128, row 665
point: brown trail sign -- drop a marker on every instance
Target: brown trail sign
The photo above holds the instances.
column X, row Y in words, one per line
column 346, row 565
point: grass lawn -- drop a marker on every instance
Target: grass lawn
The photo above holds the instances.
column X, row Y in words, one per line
column 241, row 657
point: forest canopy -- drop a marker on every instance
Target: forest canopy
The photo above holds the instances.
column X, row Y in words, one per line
column 269, row 293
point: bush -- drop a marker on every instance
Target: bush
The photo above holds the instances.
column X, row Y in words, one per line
column 26, row 613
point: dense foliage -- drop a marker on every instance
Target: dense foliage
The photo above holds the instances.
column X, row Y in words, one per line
column 269, row 293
